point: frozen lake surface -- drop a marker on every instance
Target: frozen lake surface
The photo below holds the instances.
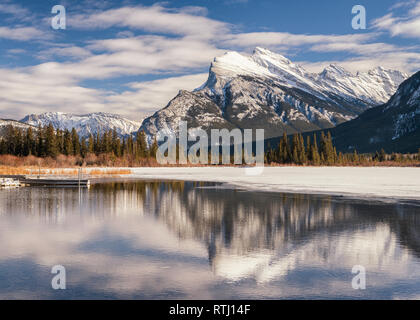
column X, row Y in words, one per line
column 179, row 240
column 370, row 182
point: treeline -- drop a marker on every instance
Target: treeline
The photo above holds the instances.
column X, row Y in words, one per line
column 50, row 142
column 321, row 151
column 111, row 150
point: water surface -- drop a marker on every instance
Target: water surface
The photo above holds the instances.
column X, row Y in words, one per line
column 188, row 240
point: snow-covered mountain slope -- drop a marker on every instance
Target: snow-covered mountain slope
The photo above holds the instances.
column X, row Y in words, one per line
column 4, row 123
column 267, row 90
column 394, row 126
column 375, row 86
column 85, row 124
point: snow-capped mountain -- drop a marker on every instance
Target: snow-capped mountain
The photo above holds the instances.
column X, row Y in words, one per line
column 267, row 90
column 85, row 124
column 394, row 126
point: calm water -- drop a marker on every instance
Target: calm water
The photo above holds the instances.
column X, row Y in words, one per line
column 157, row 240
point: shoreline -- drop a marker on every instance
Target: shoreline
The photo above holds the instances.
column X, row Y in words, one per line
column 371, row 183
column 377, row 183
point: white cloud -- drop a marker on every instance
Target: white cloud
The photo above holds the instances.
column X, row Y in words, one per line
column 131, row 56
column 23, row 33
column 184, row 42
column 66, row 51
column 153, row 19
column 15, row 11
column 405, row 26
column 148, row 96
column 254, row 39
column 359, row 48
column 20, row 94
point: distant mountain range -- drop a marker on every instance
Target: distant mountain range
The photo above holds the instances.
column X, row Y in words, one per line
column 85, row 124
column 266, row 90
column 393, row 126
column 363, row 111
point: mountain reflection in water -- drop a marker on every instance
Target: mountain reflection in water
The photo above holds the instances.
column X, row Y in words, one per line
column 167, row 239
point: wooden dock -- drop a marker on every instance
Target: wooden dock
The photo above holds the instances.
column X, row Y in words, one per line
column 12, row 176
column 55, row 182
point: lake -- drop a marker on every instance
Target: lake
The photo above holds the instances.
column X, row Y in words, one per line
column 131, row 239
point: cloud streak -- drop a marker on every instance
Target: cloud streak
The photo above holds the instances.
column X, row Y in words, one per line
column 167, row 43
column 153, row 19
column 23, row 34
column 406, row 26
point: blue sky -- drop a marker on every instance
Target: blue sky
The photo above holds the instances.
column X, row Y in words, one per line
column 131, row 57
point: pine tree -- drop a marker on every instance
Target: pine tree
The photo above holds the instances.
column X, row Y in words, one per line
column 60, row 141
column 328, row 153
column 106, row 142
column 3, row 146
column 285, row 153
column 40, row 147
column 83, row 148
column 341, row 160
column 91, row 144
column 302, row 152
column 280, row 152
column 97, row 143
column 117, row 148
column 18, row 142
column 141, row 143
column 295, row 149
column 51, row 149
column 335, row 156
column 75, row 142
column 28, row 143
column 355, row 158
column 153, row 149
column 130, row 145
column 114, row 143
column 324, row 149
column 68, row 144
column 10, row 138
column 315, row 157
column 308, row 149
column 123, row 147
column 382, row 155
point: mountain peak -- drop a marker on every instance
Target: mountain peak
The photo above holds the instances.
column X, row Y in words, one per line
column 262, row 50
column 267, row 54
column 262, row 62
column 365, row 88
column 335, row 69
column 233, row 63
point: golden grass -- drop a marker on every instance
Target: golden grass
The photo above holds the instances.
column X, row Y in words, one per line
column 107, row 172
column 7, row 170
